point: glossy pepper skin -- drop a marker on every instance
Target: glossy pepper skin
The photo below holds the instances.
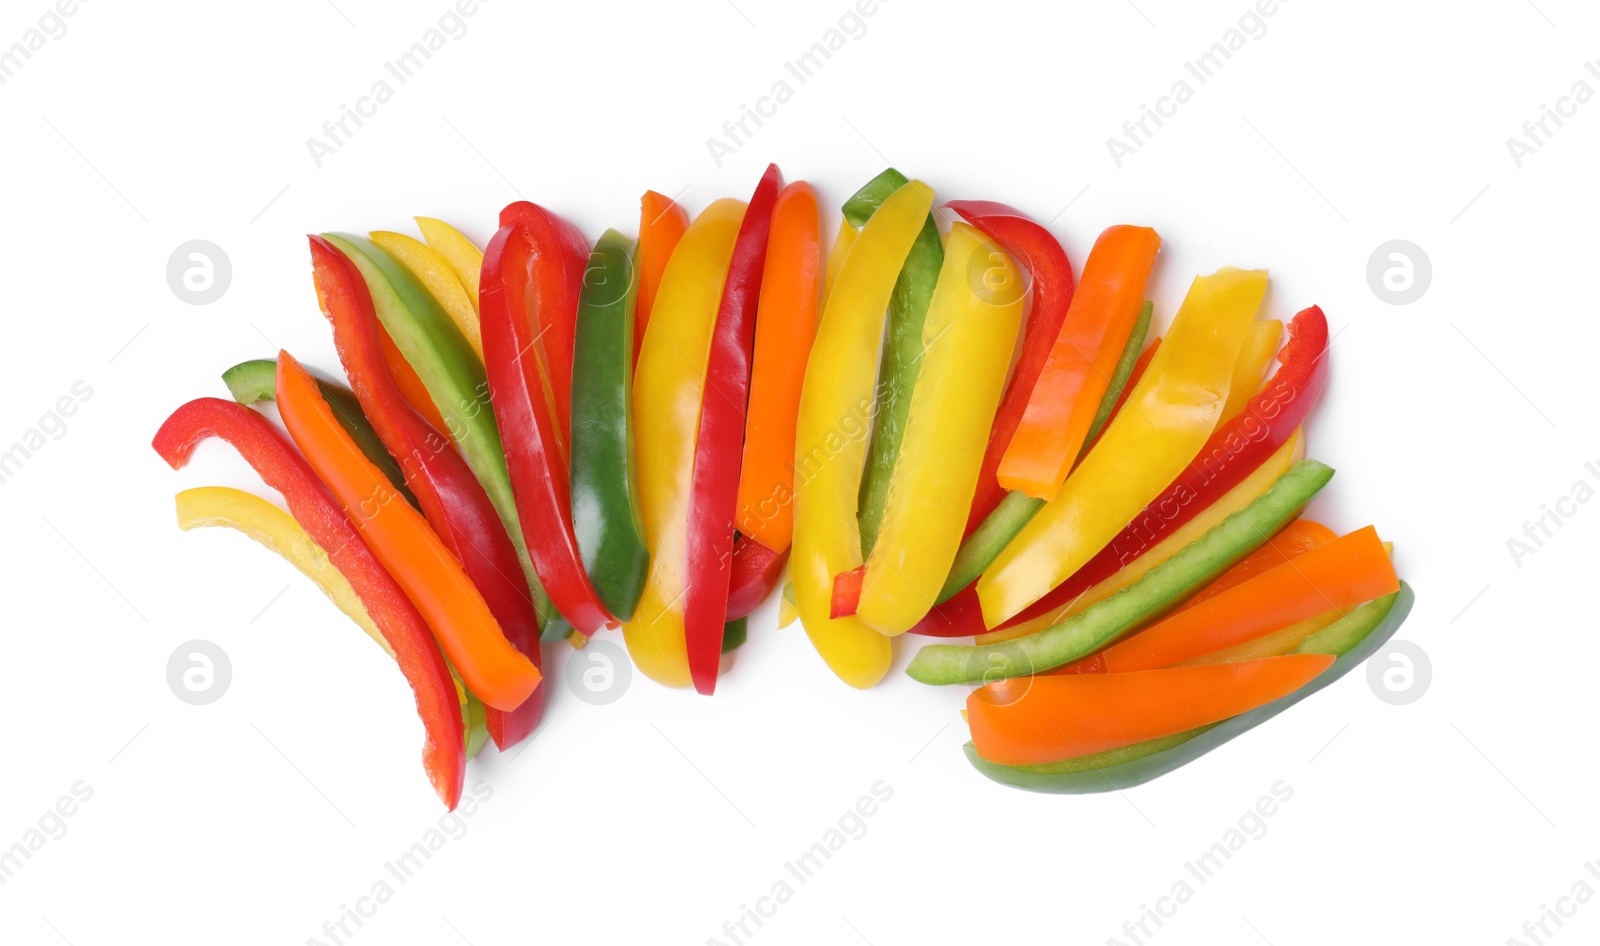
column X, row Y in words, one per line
column 786, row 325
column 902, row 349
column 1169, row 417
column 757, row 570
column 438, row 277
column 836, row 403
column 719, row 440
column 662, row 223
column 455, row 382
column 1036, row 250
column 451, row 498
column 667, row 387
column 433, row 578
column 552, row 283
column 1236, row 449
column 1067, row 392
column 408, row 635
column 969, row 335
column 605, row 506
column 534, row 450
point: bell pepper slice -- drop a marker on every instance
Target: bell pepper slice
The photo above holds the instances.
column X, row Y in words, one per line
column 410, row 384
column 719, row 440
column 1255, row 356
column 836, row 403
column 1296, row 539
column 967, row 341
column 214, row 506
column 897, row 372
column 757, row 570
column 256, row 380
column 662, row 223
column 1135, row 361
column 1170, row 415
column 734, row 634
column 1351, row 640
column 455, row 381
column 605, row 503
column 1015, row 509
column 449, row 496
column 667, row 387
column 555, row 261
column 1342, row 574
column 441, row 281
column 786, row 325
column 1238, row 447
column 541, row 484
column 1047, row 719
column 464, row 258
column 1159, row 591
column 408, row 636
column 1041, row 254
column 1064, row 399
column 843, row 240
column 432, row 577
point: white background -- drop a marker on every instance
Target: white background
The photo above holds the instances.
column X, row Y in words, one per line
column 1451, row 421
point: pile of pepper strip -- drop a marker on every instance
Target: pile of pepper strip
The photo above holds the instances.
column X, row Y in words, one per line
column 940, row 430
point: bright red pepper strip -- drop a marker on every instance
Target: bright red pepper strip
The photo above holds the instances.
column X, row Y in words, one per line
column 450, row 496
column 554, row 282
column 1037, row 251
column 1234, row 450
column 756, row 573
column 282, row 468
column 539, row 476
column 714, row 483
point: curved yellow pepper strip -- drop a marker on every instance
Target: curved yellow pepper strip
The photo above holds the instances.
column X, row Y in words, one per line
column 1246, row 492
column 667, row 386
column 277, row 530
column 836, row 406
column 1260, row 345
column 967, row 342
column 842, row 242
column 439, row 278
column 1162, row 426
column 458, row 251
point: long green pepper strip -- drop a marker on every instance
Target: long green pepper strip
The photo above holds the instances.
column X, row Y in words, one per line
column 605, row 504
column 902, row 352
column 454, row 377
column 997, row 530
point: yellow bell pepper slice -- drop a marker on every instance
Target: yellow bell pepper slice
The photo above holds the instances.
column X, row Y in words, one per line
column 967, row 342
column 439, row 278
column 836, row 406
column 842, row 242
column 277, row 530
column 667, row 386
column 1161, row 427
column 1260, row 345
column 1246, row 492
column 463, row 256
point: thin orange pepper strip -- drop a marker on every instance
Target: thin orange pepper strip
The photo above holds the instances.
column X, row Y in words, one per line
column 1296, row 539
column 662, row 223
column 398, row 535
column 1346, row 572
column 786, row 325
column 1031, row 720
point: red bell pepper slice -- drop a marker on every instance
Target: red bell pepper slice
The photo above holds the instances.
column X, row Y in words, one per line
column 285, row 470
column 533, row 445
column 1042, row 255
column 1232, row 452
column 714, row 483
column 755, row 575
column 554, row 281
column 450, row 496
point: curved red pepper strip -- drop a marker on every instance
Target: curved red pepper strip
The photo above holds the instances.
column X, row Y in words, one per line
column 555, row 281
column 756, row 572
column 285, row 470
column 719, row 445
column 1042, row 256
column 1233, row 452
column 450, row 495
column 539, row 477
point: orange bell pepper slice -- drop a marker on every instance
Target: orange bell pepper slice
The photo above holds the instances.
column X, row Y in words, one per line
column 1032, row 720
column 410, row 383
column 1348, row 571
column 1068, row 392
column 432, row 578
column 662, row 223
column 786, row 325
column 1296, row 539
